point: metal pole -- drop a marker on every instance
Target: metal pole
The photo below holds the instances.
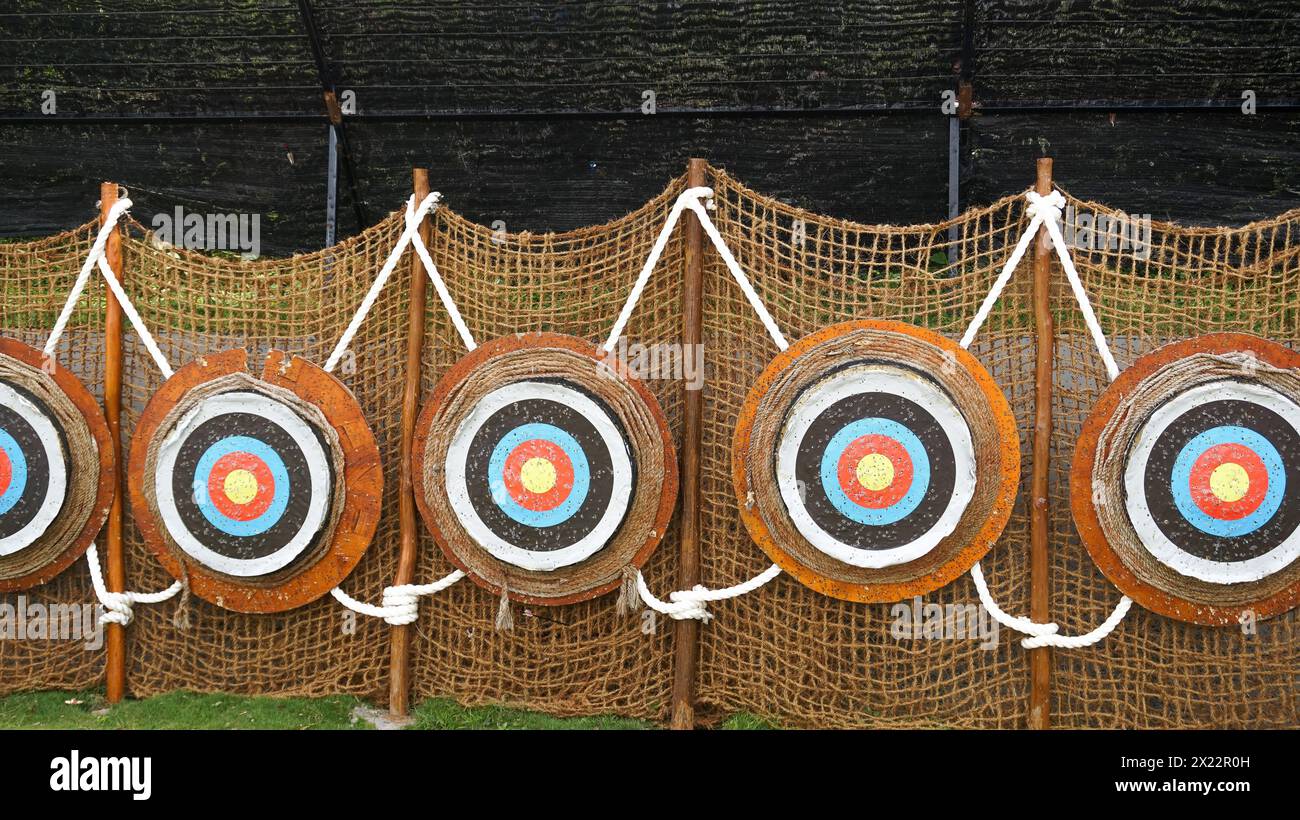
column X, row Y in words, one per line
column 332, row 189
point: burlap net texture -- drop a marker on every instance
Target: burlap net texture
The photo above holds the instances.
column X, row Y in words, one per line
column 784, row 652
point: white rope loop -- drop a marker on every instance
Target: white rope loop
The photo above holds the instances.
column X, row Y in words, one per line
column 400, row 603
column 98, row 259
column 118, row 606
column 1045, row 210
column 691, row 198
column 692, row 603
column 415, row 215
column 1010, row 621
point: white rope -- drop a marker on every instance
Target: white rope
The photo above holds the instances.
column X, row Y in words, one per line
column 118, row 605
column 400, row 603
column 97, row 259
column 410, row 235
column 1046, row 210
column 1010, row 621
column 1038, row 212
column 1080, row 295
column 739, row 275
column 656, row 251
column 690, row 198
column 692, row 603
column 1088, row 639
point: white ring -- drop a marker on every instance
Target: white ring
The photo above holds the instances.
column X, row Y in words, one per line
column 57, row 488
column 620, row 461
column 1149, row 533
column 875, row 378
column 317, row 468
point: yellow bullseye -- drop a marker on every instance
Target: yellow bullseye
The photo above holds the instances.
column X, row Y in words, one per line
column 875, row 472
column 537, row 475
column 240, row 486
column 1229, row 482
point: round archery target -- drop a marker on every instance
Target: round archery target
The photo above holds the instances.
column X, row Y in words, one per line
column 56, row 467
column 545, row 468
column 875, row 461
column 1206, row 481
column 263, row 492
column 875, row 465
column 33, row 469
column 540, row 474
column 1193, row 463
column 244, row 485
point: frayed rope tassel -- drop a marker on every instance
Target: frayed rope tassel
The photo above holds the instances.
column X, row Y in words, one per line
column 505, row 616
column 629, row 599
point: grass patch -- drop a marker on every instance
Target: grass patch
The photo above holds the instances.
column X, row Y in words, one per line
column 444, row 713
column 175, row 710
column 188, row 710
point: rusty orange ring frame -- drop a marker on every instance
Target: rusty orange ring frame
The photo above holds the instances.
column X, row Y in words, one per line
column 363, row 478
column 1085, row 453
column 964, row 558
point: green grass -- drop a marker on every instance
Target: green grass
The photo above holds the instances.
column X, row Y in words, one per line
column 187, row 710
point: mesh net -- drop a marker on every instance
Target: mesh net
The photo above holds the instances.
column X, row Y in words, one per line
column 34, row 281
column 783, row 652
column 1152, row 671
column 575, row 659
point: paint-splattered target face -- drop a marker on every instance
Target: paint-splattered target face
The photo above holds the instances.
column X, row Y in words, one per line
column 540, row 474
column 243, row 484
column 1185, row 475
column 875, row 461
column 875, row 465
column 34, row 469
column 1207, row 479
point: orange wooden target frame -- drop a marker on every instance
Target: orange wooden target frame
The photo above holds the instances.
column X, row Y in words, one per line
column 104, row 472
column 893, row 353
column 1153, row 587
column 362, row 477
column 571, row 364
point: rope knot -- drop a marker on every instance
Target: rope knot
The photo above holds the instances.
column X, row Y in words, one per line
column 1047, row 206
column 117, row 608
column 690, row 603
column 401, row 603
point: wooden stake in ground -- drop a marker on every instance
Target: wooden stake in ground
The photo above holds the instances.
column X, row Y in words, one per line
column 1040, row 660
column 687, row 631
column 115, row 574
column 399, row 679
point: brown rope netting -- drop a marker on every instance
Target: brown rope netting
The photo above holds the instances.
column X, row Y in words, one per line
column 784, row 652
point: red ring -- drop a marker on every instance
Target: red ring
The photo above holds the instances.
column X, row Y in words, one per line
column 6, row 472
column 847, row 470
column 240, row 460
column 552, row 452
column 1226, row 453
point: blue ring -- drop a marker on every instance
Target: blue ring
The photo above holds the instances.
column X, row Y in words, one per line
column 901, row 508
column 1228, row 434
column 279, row 503
column 497, row 469
column 17, row 472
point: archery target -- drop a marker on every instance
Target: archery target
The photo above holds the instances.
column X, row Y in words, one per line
column 545, row 468
column 875, row 460
column 33, row 469
column 1205, row 483
column 1194, row 463
column 243, row 485
column 56, row 467
column 875, row 465
column 247, row 485
column 540, row 474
